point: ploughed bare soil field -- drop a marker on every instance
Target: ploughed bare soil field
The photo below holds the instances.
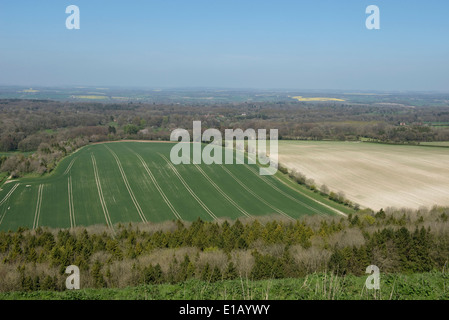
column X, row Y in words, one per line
column 373, row 175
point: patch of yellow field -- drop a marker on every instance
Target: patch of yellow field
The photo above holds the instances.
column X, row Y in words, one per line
column 90, row 97
column 300, row 98
column 30, row 90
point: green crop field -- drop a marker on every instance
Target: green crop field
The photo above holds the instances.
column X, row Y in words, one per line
column 123, row 182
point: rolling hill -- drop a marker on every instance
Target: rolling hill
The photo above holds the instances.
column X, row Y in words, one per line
column 123, row 182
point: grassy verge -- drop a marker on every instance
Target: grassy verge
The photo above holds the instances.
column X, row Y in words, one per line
column 314, row 195
column 422, row 286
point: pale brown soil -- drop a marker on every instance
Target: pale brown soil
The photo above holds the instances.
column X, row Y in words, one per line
column 374, row 175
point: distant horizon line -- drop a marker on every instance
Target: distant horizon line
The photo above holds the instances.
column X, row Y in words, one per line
column 197, row 88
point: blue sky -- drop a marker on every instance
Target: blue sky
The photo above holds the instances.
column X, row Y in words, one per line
column 313, row 44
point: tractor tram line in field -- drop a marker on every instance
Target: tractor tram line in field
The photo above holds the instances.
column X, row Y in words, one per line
column 128, row 187
column 9, row 193
column 156, row 184
column 37, row 212
column 2, row 215
column 264, row 179
column 71, row 206
column 192, row 193
column 100, row 194
column 229, row 199
column 5, row 199
column 69, row 167
column 309, row 197
column 244, row 186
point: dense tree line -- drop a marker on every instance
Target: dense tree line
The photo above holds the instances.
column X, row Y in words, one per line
column 53, row 129
column 27, row 123
column 395, row 241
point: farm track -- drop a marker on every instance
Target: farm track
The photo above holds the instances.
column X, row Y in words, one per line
column 128, row 187
column 100, row 195
column 201, row 203
column 38, row 206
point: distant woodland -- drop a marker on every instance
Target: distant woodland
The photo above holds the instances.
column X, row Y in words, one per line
column 53, row 129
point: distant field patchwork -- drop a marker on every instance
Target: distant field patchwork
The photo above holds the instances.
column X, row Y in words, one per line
column 136, row 182
column 374, row 175
column 314, row 99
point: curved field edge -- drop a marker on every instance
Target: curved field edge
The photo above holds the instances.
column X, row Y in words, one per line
column 319, row 286
column 336, row 207
column 112, row 176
